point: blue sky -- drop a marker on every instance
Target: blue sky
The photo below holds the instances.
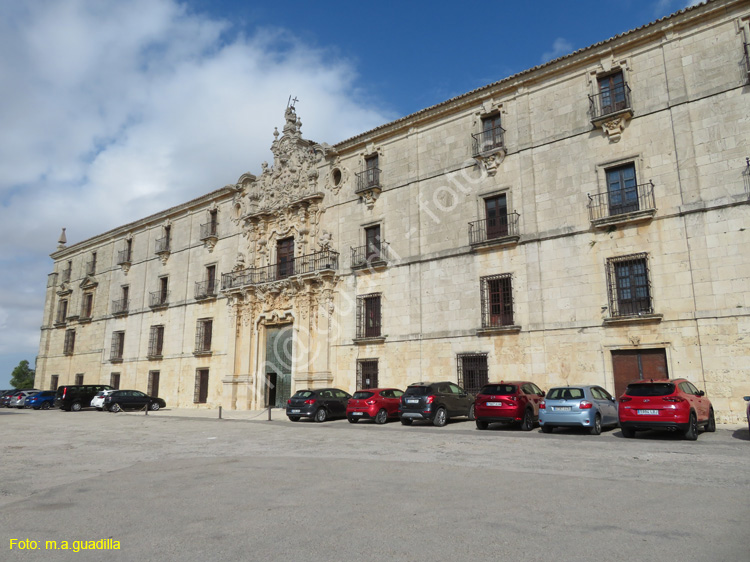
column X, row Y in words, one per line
column 116, row 109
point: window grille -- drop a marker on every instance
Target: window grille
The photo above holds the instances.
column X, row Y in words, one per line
column 156, row 341
column 203, row 335
column 114, row 380
column 497, row 300
column 628, row 285
column 369, row 321
column 79, row 379
column 70, row 342
column 367, row 373
column 473, row 372
column 53, row 382
column 62, row 311
column 153, row 383
column 118, row 345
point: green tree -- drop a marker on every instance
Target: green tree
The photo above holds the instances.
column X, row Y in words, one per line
column 22, row 377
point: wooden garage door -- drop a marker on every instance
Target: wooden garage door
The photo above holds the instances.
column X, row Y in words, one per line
column 638, row 364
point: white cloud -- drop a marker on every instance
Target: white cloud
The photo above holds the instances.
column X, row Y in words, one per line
column 115, row 109
column 560, row 47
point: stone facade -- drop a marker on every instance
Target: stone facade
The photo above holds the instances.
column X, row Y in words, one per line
column 567, row 224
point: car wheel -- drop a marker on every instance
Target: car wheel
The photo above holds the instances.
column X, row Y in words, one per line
column 691, row 433
column 627, row 432
column 75, row 406
column 293, row 418
column 320, row 415
column 406, row 421
column 547, row 428
column 353, row 420
column 472, row 415
column 711, row 425
column 45, row 406
column 596, row 429
column 115, row 408
column 98, row 409
column 381, row 417
column 441, row 418
column 154, row 406
column 527, row 423
column 481, row 424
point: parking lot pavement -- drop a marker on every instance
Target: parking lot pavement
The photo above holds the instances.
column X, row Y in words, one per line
column 189, row 488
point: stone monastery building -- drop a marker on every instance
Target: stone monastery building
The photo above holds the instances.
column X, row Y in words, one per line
column 584, row 221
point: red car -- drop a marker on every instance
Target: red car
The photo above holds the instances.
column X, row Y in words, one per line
column 669, row 404
column 374, row 403
column 508, row 402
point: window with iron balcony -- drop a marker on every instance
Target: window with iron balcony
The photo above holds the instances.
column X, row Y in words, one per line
column 491, row 138
column 62, row 312
column 624, row 201
column 499, row 227
column 370, row 177
column 611, row 100
column 373, row 254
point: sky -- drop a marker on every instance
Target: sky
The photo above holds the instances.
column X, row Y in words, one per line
column 116, row 109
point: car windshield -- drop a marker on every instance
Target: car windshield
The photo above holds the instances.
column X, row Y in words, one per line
column 303, row 394
column 650, row 389
column 361, row 395
column 417, row 391
column 501, row 389
column 565, row 394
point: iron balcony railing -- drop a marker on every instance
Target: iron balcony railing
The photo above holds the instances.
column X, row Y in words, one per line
column 493, row 229
column 158, row 298
column 488, row 140
column 310, row 263
column 368, row 179
column 364, row 256
column 205, row 289
column 209, row 230
column 123, row 256
column 610, row 101
column 120, row 306
column 622, row 201
column 162, row 245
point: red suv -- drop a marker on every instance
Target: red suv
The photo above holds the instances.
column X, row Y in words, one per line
column 509, row 402
column 670, row 404
column 374, row 403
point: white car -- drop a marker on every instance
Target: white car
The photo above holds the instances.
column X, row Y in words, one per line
column 98, row 400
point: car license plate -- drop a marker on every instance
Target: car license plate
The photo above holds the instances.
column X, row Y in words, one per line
column 648, row 412
column 562, row 408
column 494, row 403
column 412, row 401
column 356, row 413
column 294, row 411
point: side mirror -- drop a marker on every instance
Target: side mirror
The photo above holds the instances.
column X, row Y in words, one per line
column 543, row 394
column 701, row 393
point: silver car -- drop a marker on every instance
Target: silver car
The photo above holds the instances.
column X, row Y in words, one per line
column 18, row 399
column 587, row 406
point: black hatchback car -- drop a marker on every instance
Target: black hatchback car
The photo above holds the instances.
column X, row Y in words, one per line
column 131, row 400
column 319, row 404
column 436, row 402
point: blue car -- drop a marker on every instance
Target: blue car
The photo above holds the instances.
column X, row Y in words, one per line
column 590, row 407
column 41, row 400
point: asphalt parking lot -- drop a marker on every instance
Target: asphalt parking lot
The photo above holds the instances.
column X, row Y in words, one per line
column 172, row 487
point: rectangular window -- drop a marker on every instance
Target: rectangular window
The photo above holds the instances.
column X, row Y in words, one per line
column 153, row 383
column 91, row 265
column 613, row 93
column 496, row 215
column 67, row 272
column 285, row 257
column 54, row 381
column 114, row 380
column 201, row 386
column 163, row 243
column 118, row 346
column 492, row 133
column 622, row 190
column 368, row 316
column 367, row 373
column 497, row 301
column 629, row 288
column 62, row 311
column 372, row 171
column 79, row 379
column 372, row 243
column 211, row 279
column 203, row 335
column 70, row 342
column 87, row 307
column 473, row 372
column 155, row 341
